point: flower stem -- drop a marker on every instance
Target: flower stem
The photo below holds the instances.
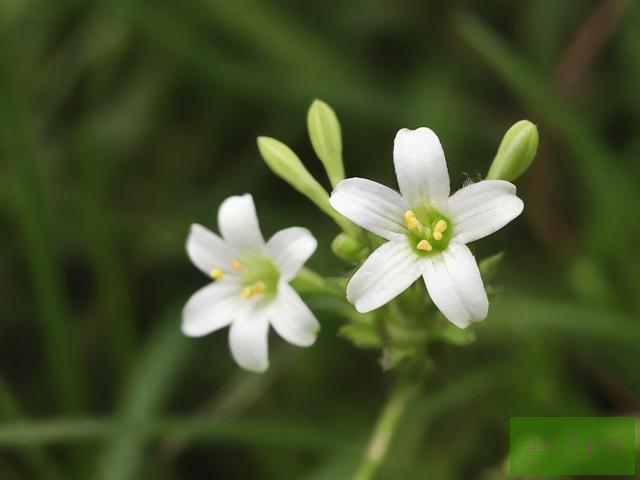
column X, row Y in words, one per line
column 308, row 281
column 384, row 430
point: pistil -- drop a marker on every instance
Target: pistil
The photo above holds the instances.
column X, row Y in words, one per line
column 428, row 230
column 253, row 289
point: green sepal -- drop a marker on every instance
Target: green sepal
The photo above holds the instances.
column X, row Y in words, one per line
column 447, row 332
column 361, row 334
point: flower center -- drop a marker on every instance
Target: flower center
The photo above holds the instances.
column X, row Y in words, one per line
column 258, row 276
column 429, row 231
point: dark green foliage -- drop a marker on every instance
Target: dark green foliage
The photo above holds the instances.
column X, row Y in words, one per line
column 123, row 122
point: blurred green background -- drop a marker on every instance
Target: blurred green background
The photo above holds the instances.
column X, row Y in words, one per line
column 123, row 122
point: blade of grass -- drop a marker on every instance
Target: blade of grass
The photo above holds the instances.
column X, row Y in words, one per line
column 148, row 388
column 96, row 224
column 89, row 156
column 270, row 30
column 36, row 459
column 593, row 162
column 266, row 433
column 161, row 26
column 242, row 391
column 518, row 314
column 61, row 348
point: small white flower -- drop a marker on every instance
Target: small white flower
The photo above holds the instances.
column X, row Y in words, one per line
column 251, row 288
column 427, row 230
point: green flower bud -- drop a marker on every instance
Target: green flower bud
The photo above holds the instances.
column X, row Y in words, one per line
column 324, row 132
column 516, row 152
column 285, row 163
column 348, row 248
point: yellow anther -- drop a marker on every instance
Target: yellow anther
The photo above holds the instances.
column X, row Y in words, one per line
column 253, row 289
column 437, row 235
column 440, row 226
column 424, row 245
column 217, row 274
column 235, row 263
column 412, row 221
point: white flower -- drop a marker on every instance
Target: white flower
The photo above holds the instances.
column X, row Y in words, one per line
column 251, row 288
column 427, row 230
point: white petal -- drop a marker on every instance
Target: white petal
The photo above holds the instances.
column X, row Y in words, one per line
column 388, row 271
column 371, row 205
column 290, row 249
column 420, row 165
column 292, row 319
column 238, row 223
column 211, row 308
column 482, row 208
column 207, row 250
column 248, row 340
column 454, row 284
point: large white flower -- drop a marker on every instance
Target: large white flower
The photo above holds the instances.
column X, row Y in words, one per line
column 427, row 230
column 251, row 288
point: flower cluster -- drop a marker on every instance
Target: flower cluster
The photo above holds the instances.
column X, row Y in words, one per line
column 425, row 232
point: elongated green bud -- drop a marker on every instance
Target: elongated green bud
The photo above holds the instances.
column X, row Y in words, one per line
column 324, row 132
column 285, row 163
column 516, row 152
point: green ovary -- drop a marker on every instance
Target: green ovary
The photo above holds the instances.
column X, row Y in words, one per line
column 428, row 230
column 259, row 277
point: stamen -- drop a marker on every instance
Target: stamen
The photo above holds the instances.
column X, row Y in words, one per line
column 424, row 245
column 412, row 221
column 441, row 226
column 235, row 263
column 253, row 289
column 437, row 235
column 217, row 274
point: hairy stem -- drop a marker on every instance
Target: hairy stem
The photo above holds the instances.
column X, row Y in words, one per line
column 384, row 430
column 308, row 281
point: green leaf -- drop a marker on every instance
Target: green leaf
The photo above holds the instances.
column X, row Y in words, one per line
column 447, row 332
column 363, row 335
